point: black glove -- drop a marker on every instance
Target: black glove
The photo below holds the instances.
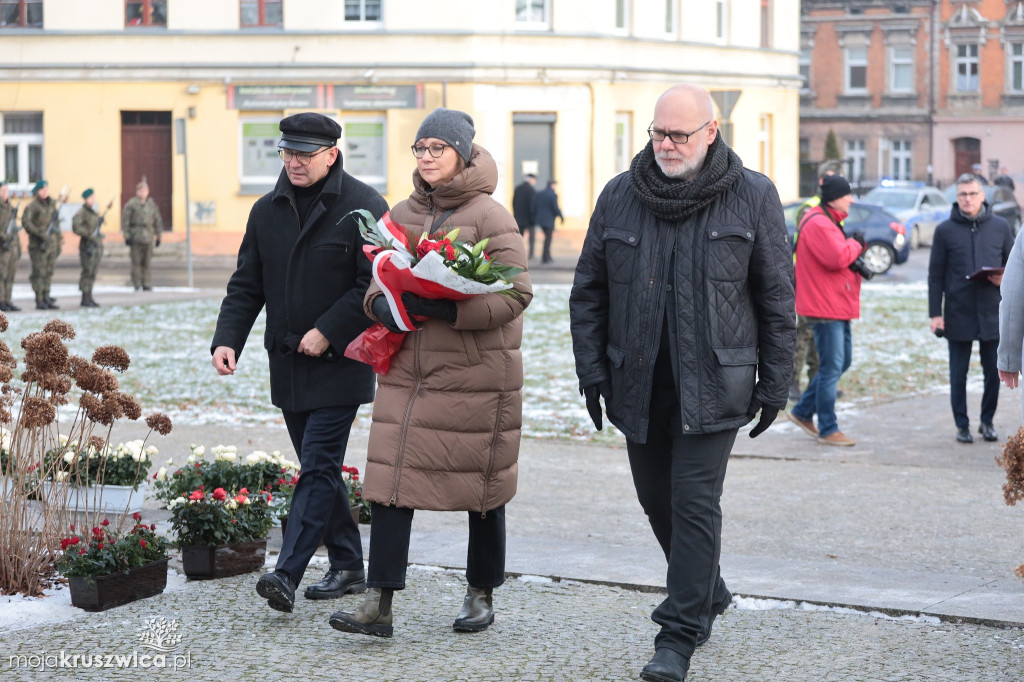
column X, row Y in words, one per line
column 593, row 395
column 382, row 311
column 157, row 242
column 858, row 237
column 441, row 309
column 768, row 415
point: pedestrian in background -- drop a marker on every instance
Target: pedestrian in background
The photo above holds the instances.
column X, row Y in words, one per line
column 522, row 209
column 86, row 224
column 682, row 319
column 963, row 300
column 828, row 296
column 45, row 240
column 142, row 228
column 302, row 259
column 448, row 414
column 10, row 248
column 1011, row 317
column 1004, row 179
column 545, row 210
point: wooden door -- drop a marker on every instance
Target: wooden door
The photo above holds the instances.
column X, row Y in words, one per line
column 146, row 151
column 967, row 152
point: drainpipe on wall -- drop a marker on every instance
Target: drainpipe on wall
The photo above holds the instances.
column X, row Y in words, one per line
column 932, row 66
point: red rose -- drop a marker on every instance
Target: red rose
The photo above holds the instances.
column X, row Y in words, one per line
column 197, row 465
column 240, row 499
column 196, row 495
column 99, row 546
column 137, row 516
column 243, row 491
column 142, row 543
column 105, row 522
column 152, row 526
column 96, row 530
column 234, row 520
column 72, row 526
column 64, row 544
column 449, row 252
column 81, row 551
column 220, row 494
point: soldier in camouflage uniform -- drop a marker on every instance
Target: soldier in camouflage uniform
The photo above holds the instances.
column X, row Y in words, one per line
column 44, row 243
column 10, row 248
column 86, row 224
column 141, row 224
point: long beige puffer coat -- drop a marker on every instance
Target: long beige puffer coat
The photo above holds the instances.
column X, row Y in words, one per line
column 448, row 413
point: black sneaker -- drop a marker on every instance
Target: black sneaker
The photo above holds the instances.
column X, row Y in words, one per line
column 963, row 435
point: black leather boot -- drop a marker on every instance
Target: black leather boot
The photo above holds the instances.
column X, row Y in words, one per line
column 337, row 584
column 477, row 611
column 41, row 303
column 373, row 617
column 278, row 589
column 88, row 301
column 666, row 666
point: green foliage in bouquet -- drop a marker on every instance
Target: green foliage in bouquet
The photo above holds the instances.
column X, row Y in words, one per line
column 103, row 552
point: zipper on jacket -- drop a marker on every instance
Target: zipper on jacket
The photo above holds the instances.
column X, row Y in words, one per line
column 405, row 420
column 490, row 458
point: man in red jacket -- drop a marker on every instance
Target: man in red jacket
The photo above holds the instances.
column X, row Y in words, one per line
column 828, row 295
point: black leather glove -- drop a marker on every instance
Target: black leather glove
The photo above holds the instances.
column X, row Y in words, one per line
column 440, row 309
column 593, row 395
column 382, row 311
column 858, row 237
column 768, row 415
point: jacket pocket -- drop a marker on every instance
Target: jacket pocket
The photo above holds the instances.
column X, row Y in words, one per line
column 615, row 354
column 729, row 249
column 338, row 248
column 737, row 367
column 620, row 253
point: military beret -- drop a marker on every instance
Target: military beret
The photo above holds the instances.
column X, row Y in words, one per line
column 87, row 193
column 307, row 132
column 39, row 185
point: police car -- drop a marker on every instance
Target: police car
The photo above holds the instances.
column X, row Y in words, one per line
column 919, row 207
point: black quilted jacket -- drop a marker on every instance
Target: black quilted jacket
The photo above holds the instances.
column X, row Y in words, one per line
column 730, row 291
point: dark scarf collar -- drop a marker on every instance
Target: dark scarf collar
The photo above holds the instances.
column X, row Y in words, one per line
column 674, row 199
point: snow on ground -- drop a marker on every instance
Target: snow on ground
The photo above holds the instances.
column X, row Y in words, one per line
column 754, row 604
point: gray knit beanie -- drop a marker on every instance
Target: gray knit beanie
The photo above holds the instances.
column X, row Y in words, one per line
column 454, row 127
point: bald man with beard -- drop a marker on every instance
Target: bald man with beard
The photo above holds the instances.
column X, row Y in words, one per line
column 682, row 321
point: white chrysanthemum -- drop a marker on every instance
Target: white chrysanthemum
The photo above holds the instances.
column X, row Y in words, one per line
column 69, row 456
column 151, row 450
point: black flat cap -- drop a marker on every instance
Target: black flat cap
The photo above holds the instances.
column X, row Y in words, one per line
column 307, row 132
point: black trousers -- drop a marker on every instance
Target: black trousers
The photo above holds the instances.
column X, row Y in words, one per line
column 679, row 480
column 959, row 362
column 390, row 529
column 546, row 254
column 319, row 508
column 532, row 237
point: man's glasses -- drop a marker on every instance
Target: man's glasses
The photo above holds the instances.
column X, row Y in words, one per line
column 968, row 195
column 676, row 137
column 436, row 150
column 287, row 155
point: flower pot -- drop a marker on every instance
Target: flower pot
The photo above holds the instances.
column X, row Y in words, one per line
column 101, row 498
column 107, row 591
column 206, row 562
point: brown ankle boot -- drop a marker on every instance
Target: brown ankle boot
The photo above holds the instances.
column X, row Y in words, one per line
column 373, row 617
column 477, row 611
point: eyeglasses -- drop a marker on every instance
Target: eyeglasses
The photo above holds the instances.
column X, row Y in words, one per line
column 677, row 138
column 287, row 155
column 968, row 195
column 436, row 150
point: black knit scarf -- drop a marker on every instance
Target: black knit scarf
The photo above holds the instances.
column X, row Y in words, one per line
column 675, row 199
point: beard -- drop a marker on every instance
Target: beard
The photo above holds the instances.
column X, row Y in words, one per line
column 687, row 168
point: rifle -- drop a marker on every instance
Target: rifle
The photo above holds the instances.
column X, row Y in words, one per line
column 103, row 215
column 12, row 227
column 62, row 198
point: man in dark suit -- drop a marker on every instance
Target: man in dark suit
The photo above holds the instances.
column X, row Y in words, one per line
column 302, row 258
column 522, row 207
column 545, row 210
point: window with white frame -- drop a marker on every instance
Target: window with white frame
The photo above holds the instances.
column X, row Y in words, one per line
column 260, row 164
column 365, row 145
column 622, row 16
column 1015, row 69
column 901, row 69
column 856, row 70
column 23, row 149
column 366, row 11
column 965, row 68
column 533, row 14
column 900, row 160
column 856, row 158
column 805, row 68
column 623, row 141
column 670, row 17
column 721, row 19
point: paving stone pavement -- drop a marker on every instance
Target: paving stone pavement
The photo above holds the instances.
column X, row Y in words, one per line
column 544, row 630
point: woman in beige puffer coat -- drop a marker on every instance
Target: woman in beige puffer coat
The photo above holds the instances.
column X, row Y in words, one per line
column 448, row 412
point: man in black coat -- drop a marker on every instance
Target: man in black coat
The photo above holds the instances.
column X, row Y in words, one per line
column 302, row 258
column 522, row 208
column 682, row 319
column 973, row 238
column 545, row 210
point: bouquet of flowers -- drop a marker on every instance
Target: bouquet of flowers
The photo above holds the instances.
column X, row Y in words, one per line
column 103, row 552
column 432, row 266
column 219, row 518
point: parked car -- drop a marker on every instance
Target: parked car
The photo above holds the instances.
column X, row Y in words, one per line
column 886, row 237
column 918, row 207
column 1001, row 199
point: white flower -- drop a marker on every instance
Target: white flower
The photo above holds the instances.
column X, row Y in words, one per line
column 63, row 440
column 151, row 450
column 60, row 476
column 170, row 462
column 246, row 501
column 198, row 450
column 176, row 501
column 161, row 474
column 227, row 456
column 231, row 504
column 69, row 456
column 191, row 458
